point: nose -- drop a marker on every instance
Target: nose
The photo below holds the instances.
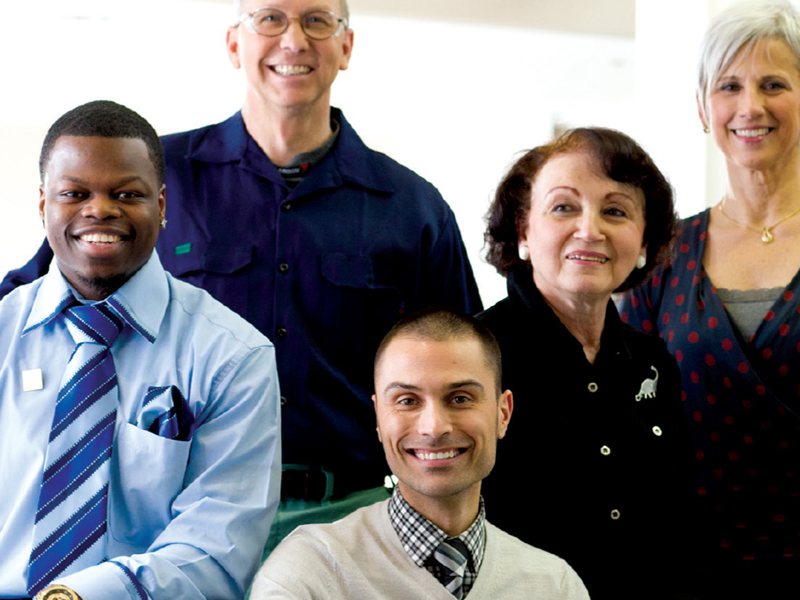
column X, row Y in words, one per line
column 589, row 227
column 751, row 102
column 101, row 206
column 294, row 38
column 434, row 420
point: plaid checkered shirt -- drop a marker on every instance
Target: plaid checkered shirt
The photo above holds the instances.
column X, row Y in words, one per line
column 420, row 538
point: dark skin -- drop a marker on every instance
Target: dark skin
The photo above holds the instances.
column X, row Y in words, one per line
column 101, row 203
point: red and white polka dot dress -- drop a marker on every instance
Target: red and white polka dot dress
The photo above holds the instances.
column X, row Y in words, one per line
column 742, row 401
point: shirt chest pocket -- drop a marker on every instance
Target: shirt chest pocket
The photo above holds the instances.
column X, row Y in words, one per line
column 223, row 270
column 147, row 474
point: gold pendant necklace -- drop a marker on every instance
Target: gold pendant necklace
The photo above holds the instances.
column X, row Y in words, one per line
column 766, row 231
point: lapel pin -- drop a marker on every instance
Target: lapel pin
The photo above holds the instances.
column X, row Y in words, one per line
column 32, row 380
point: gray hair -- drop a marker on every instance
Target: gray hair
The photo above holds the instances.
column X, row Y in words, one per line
column 237, row 5
column 740, row 27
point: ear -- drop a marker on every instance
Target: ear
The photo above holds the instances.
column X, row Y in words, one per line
column 377, row 425
column 41, row 204
column 505, row 406
column 701, row 111
column 162, row 201
column 232, row 44
column 347, row 49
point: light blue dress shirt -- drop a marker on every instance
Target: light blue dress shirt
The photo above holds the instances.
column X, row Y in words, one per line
column 187, row 519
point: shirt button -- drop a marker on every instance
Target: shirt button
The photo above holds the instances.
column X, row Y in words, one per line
column 615, row 515
column 283, row 400
column 286, row 207
column 283, row 268
column 657, row 430
column 281, row 333
column 605, row 450
column 592, row 387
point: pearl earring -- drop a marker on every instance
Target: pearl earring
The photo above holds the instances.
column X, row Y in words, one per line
column 641, row 261
column 523, row 252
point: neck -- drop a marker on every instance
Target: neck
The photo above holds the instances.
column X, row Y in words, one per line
column 453, row 514
column 761, row 198
column 584, row 317
column 283, row 133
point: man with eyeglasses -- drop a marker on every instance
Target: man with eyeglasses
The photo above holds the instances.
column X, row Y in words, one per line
column 284, row 215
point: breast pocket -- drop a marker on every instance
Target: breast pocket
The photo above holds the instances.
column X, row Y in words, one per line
column 147, row 474
column 220, row 269
column 363, row 297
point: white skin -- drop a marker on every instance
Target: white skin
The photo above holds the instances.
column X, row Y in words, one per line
column 439, row 418
column 288, row 114
column 753, row 112
column 584, row 234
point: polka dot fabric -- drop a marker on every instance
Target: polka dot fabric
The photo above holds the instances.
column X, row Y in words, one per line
column 741, row 399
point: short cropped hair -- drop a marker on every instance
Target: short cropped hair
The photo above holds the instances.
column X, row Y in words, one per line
column 237, row 5
column 103, row 118
column 740, row 27
column 443, row 324
column 620, row 158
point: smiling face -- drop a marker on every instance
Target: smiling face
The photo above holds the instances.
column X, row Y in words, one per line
column 439, row 418
column 753, row 110
column 289, row 71
column 101, row 203
column 584, row 231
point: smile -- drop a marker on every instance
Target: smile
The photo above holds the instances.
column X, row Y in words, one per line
column 593, row 258
column 436, row 455
column 752, row 132
column 100, row 238
column 291, row 69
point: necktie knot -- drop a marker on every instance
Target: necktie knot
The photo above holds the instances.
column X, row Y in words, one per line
column 94, row 323
column 452, row 554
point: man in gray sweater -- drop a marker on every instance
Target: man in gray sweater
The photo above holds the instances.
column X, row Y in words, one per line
column 440, row 411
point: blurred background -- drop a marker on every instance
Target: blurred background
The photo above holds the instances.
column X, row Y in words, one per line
column 453, row 89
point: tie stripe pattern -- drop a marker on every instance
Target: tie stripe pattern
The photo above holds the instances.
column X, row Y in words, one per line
column 452, row 555
column 69, row 533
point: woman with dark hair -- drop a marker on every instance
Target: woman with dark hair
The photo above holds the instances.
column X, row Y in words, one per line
column 591, row 466
column 728, row 306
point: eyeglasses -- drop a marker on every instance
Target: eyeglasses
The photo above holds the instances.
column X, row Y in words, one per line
column 271, row 22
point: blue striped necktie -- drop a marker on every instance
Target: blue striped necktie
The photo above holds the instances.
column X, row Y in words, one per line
column 69, row 532
column 452, row 554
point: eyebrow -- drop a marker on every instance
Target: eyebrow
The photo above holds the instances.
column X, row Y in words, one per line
column 576, row 192
column 120, row 183
column 397, row 385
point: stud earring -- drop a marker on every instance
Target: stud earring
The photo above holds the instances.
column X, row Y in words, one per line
column 524, row 254
column 641, row 261
column 163, row 223
column 706, row 129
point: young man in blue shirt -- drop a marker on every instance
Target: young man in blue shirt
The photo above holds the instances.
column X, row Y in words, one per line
column 132, row 405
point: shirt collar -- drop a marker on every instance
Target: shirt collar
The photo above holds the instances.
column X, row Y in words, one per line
column 141, row 301
column 420, row 537
column 523, row 293
column 350, row 159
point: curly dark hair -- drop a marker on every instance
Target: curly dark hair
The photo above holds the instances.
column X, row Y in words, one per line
column 620, row 158
column 104, row 118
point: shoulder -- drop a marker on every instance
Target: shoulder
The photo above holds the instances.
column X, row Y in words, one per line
column 524, row 568
column 500, row 317
column 361, row 164
column 329, row 557
column 192, row 309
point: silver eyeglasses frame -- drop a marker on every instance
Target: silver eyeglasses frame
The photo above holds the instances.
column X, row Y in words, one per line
column 249, row 20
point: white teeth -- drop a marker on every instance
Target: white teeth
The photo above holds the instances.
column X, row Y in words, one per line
column 291, row 69
column 751, row 132
column 598, row 259
column 436, row 455
column 101, row 238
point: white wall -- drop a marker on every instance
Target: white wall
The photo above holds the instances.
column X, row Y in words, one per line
column 453, row 102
